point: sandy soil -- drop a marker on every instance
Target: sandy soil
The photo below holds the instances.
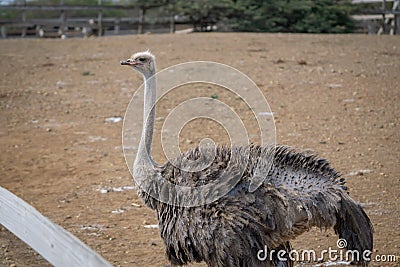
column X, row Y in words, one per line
column 338, row 95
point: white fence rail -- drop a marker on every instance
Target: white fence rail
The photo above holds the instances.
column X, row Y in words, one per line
column 56, row 245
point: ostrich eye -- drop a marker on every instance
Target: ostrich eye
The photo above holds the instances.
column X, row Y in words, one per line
column 142, row 59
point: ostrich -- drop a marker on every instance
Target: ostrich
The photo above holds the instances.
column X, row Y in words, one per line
column 298, row 192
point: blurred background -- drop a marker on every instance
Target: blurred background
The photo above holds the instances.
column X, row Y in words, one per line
column 68, row 18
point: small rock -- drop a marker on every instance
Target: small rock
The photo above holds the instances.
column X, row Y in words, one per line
column 302, row 62
column 60, row 84
column 117, row 211
column 359, row 172
column 279, row 61
column 334, row 85
column 114, row 119
column 151, row 226
column 103, row 191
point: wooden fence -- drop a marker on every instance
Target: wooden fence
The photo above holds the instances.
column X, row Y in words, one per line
column 384, row 20
column 80, row 26
column 381, row 21
column 54, row 243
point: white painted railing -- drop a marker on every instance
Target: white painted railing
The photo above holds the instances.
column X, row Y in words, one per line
column 55, row 244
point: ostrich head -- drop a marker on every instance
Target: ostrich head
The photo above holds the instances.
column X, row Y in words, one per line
column 143, row 62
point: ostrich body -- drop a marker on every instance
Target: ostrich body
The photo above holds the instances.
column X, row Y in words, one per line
column 298, row 192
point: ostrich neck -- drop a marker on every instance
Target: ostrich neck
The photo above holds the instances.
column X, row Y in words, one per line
column 144, row 158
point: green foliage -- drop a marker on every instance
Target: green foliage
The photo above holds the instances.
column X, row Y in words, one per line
column 323, row 16
column 202, row 12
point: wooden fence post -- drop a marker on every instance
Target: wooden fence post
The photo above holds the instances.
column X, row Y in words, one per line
column 63, row 19
column 384, row 28
column 100, row 19
column 23, row 33
column 3, row 31
column 116, row 26
column 172, row 24
column 142, row 12
column 395, row 8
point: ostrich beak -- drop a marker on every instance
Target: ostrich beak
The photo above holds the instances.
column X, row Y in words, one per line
column 129, row 62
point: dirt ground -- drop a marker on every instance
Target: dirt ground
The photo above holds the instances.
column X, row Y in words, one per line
column 338, row 95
